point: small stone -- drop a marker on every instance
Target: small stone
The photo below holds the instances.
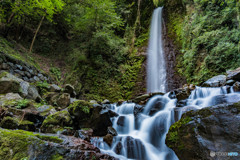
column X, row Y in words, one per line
column 28, row 74
column 19, row 67
column 106, row 101
column 36, row 78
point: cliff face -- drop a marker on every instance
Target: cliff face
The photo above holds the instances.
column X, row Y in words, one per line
column 174, row 80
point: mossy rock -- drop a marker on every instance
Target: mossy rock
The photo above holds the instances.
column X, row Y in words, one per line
column 15, row 123
column 80, row 108
column 15, row 144
column 56, row 122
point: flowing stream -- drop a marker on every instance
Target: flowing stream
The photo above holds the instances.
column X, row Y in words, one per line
column 156, row 67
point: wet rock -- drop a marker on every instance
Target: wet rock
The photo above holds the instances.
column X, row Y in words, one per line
column 64, row 100
column 112, row 114
column 216, row 81
column 199, row 132
column 84, row 134
column 70, row 89
column 112, row 131
column 230, row 82
column 182, row 93
column 234, row 75
column 118, row 148
column 134, row 148
column 181, row 103
column 158, row 105
column 121, row 121
column 138, row 109
column 108, row 139
column 236, row 87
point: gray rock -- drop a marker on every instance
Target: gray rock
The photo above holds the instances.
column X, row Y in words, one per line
column 19, row 72
column 112, row 131
column 25, row 79
column 230, row 82
column 24, row 88
column 10, row 64
column 19, row 66
column 41, row 77
column 54, row 88
column 36, row 78
column 33, row 94
column 216, row 81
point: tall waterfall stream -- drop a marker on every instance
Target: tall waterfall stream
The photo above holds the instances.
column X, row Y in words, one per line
column 142, row 135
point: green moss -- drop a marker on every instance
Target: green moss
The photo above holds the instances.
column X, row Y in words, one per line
column 173, row 136
column 79, row 106
column 14, row 144
column 3, row 74
column 57, row 157
column 56, row 122
column 8, row 48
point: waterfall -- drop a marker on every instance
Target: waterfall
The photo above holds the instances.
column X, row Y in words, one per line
column 156, row 68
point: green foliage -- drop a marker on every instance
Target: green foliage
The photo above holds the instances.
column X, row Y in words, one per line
column 56, row 73
column 21, row 104
column 42, row 87
column 207, row 32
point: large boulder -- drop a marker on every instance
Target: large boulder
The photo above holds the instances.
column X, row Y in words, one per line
column 87, row 115
column 216, row 81
column 209, row 130
column 234, row 74
column 18, row 144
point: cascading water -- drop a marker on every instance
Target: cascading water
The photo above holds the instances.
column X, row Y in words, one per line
column 141, row 135
column 156, row 68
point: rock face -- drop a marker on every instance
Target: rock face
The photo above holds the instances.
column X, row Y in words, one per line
column 213, row 129
column 216, row 81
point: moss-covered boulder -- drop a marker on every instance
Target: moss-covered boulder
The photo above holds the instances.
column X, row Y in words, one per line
column 15, row 123
column 80, row 109
column 18, row 144
column 212, row 129
column 87, row 115
column 56, row 122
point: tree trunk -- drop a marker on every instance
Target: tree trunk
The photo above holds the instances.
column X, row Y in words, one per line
column 35, row 35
